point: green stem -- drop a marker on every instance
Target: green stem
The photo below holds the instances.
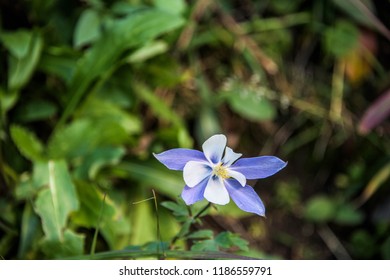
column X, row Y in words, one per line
column 201, row 211
column 161, row 256
column 93, row 247
column 193, row 220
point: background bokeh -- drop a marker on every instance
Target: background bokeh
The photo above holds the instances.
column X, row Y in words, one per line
column 90, row 89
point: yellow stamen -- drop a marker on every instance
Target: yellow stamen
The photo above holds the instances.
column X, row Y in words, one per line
column 220, row 171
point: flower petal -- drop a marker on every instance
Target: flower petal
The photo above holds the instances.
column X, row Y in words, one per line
column 176, row 159
column 238, row 176
column 230, row 157
column 195, row 172
column 216, row 192
column 245, row 197
column 213, row 148
column 258, row 167
column 195, row 194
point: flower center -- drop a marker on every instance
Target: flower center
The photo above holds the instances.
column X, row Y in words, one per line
column 220, row 171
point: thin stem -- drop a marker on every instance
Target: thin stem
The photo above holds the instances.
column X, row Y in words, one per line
column 158, row 227
column 193, row 219
column 144, row 200
column 201, row 211
column 333, row 243
column 94, row 241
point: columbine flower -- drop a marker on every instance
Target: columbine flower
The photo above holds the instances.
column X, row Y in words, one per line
column 218, row 174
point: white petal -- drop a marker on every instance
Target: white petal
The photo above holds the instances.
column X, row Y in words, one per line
column 216, row 192
column 230, row 157
column 238, row 176
column 195, row 172
column 213, row 148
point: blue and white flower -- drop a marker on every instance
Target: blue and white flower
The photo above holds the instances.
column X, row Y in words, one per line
column 218, row 174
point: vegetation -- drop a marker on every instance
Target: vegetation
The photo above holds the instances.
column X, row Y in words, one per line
column 89, row 90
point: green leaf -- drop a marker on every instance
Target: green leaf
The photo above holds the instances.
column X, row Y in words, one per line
column 83, row 136
column 21, row 69
column 27, row 143
column 109, row 113
column 91, row 199
column 324, row 209
column 112, row 132
column 205, row 245
column 59, row 62
column 185, row 228
column 29, row 231
column 320, row 209
column 55, row 203
column 347, row 215
column 148, row 51
column 224, row 240
column 125, row 8
column 202, row 234
column 179, row 209
column 123, row 34
column 36, row 109
column 227, row 240
column 341, row 38
column 45, row 209
column 156, row 246
column 7, row 100
column 25, row 189
column 175, row 7
column 29, row 186
column 87, row 28
column 76, row 139
column 97, row 159
column 72, row 244
column 164, row 72
column 116, row 92
column 17, row 42
column 251, row 104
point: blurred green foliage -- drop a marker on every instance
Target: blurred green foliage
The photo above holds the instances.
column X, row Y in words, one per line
column 90, row 89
